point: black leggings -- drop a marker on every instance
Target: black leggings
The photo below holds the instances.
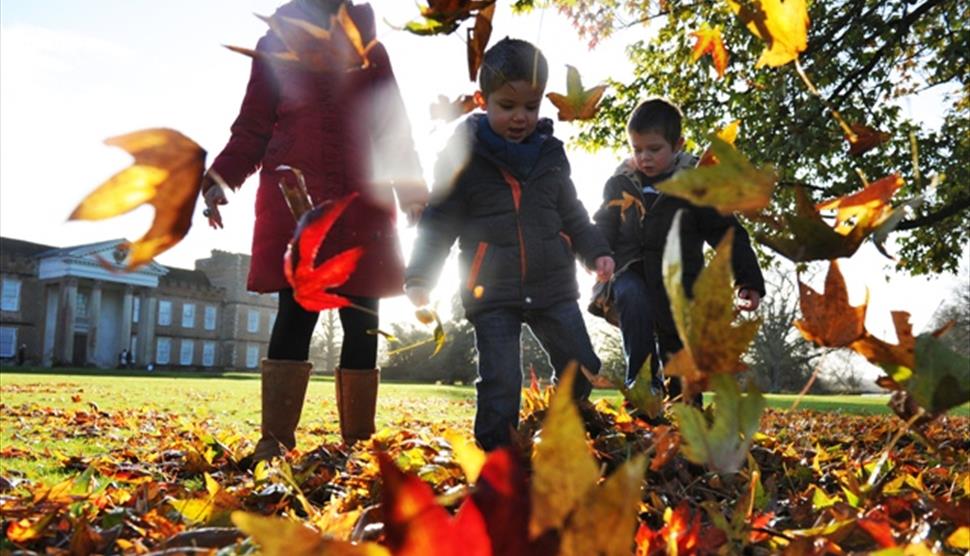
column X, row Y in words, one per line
column 294, row 328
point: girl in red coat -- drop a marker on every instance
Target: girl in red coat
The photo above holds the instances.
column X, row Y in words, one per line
column 346, row 129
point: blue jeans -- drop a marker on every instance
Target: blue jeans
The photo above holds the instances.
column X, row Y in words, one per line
column 561, row 332
column 632, row 301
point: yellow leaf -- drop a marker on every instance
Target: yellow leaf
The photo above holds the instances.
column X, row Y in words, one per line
column 960, row 539
column 709, row 41
column 615, row 502
column 563, row 468
column 285, row 537
column 578, row 103
column 469, row 456
column 166, row 174
column 781, row 24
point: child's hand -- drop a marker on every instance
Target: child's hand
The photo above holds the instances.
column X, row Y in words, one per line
column 213, row 196
column 604, row 268
column 750, row 299
column 417, row 295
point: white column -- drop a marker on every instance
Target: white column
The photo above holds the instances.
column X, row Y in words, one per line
column 126, row 309
column 94, row 316
column 64, row 344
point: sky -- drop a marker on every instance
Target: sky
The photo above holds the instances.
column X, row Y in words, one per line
column 75, row 73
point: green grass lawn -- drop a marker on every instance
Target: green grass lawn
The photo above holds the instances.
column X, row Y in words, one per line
column 230, row 402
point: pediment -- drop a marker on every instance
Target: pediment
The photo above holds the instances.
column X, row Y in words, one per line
column 99, row 261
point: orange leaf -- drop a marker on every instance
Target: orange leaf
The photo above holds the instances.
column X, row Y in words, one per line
column 416, row 525
column 781, row 24
column 864, row 139
column 626, row 202
column 578, row 103
column 341, row 47
column 444, row 16
column 166, row 174
column 869, row 205
column 828, row 319
column 880, row 352
column 310, row 281
column 446, row 110
column 478, row 39
column 709, row 41
column 728, row 134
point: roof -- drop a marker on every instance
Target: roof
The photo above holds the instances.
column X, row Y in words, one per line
column 186, row 276
column 11, row 247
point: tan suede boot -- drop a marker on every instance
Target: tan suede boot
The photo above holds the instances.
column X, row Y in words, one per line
column 284, row 386
column 356, row 402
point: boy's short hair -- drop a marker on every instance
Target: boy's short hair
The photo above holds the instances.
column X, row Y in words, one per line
column 512, row 60
column 657, row 115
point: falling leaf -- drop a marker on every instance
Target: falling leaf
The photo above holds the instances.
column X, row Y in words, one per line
column 642, row 395
column 315, row 48
column 728, row 134
column 713, row 342
column 781, row 24
column 166, row 174
column 723, row 446
column 563, row 468
column 881, row 234
column 864, row 139
column 879, row 352
column 277, row 536
column 478, row 39
column 626, row 202
column 578, row 103
column 731, row 185
column 391, row 338
column 311, row 282
column 940, row 380
column 446, row 110
column 827, row 318
column 871, row 204
column 415, row 525
column 809, row 238
column 444, row 16
column 614, row 502
column 709, row 41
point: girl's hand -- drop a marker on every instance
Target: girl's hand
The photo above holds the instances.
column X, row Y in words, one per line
column 604, row 268
column 750, row 299
column 213, row 196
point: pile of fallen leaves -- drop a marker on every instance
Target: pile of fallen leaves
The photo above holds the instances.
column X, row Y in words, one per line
column 814, row 483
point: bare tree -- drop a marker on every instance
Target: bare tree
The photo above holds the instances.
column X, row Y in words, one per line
column 325, row 344
column 956, row 310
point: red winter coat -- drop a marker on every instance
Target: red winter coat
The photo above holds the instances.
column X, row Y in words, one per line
column 326, row 124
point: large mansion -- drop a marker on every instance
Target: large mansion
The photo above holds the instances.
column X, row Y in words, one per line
column 75, row 306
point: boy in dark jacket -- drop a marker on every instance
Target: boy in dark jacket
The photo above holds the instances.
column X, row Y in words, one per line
column 635, row 218
column 502, row 189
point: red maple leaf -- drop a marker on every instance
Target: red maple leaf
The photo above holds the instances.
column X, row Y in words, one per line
column 311, row 282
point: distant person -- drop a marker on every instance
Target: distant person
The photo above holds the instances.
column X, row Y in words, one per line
column 21, row 356
column 506, row 203
column 122, row 358
column 129, row 359
column 324, row 123
column 638, row 232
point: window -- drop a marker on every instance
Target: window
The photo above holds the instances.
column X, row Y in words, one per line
column 210, row 317
column 253, row 324
column 164, row 313
column 135, row 309
column 11, row 295
column 187, row 353
column 163, row 351
column 188, row 315
column 272, row 320
column 81, row 306
column 208, row 354
column 252, row 355
column 8, row 341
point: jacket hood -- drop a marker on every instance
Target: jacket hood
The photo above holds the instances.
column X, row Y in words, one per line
column 628, row 169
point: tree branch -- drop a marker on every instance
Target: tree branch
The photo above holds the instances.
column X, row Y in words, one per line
column 947, row 211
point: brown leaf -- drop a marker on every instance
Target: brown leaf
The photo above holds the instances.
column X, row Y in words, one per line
column 828, row 319
column 478, row 39
column 166, row 174
column 864, row 139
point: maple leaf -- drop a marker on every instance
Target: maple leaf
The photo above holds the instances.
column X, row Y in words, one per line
column 478, row 39
column 864, row 138
column 447, row 110
column 728, row 134
column 578, row 103
column 213, row 508
column 724, row 445
column 781, row 24
column 626, row 202
column 709, row 41
column 810, row 238
column 828, row 319
column 416, row 525
column 614, row 502
column 563, row 468
column 681, row 534
column 427, row 316
column 444, row 16
column 731, row 185
column 278, row 536
column 713, row 342
column 641, row 394
column 309, row 281
column 166, row 174
column 314, row 48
